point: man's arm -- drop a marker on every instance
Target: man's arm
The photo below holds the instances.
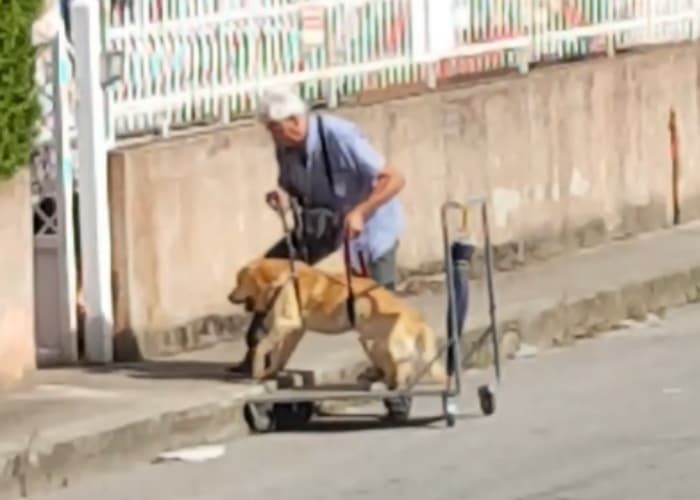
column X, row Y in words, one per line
column 387, row 179
column 390, row 181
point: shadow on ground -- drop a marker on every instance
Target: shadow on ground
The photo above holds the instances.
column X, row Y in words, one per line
column 338, row 422
column 191, row 370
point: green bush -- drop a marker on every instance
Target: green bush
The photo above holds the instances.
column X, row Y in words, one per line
column 19, row 107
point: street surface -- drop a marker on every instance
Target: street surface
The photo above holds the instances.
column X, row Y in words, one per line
column 614, row 418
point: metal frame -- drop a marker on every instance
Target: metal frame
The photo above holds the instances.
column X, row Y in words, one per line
column 492, row 330
column 293, row 407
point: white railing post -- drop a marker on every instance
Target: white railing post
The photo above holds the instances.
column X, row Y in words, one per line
column 330, row 90
column 420, row 45
column 94, row 207
column 526, row 55
column 651, row 22
column 610, row 18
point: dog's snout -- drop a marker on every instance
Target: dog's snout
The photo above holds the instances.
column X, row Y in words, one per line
column 247, row 302
column 236, row 297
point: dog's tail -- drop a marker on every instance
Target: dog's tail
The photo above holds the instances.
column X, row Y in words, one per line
column 427, row 346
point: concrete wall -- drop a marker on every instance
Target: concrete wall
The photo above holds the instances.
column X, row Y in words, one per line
column 568, row 155
column 17, row 353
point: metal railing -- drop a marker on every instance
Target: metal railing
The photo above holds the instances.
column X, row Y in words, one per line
column 203, row 61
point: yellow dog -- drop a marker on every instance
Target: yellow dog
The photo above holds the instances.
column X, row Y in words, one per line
column 394, row 336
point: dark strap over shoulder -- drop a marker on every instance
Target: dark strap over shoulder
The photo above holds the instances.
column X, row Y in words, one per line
column 324, row 152
column 350, row 302
column 319, row 226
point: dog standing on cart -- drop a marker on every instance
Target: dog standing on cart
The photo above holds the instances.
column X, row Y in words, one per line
column 345, row 192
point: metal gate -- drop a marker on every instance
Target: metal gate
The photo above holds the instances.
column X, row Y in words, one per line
column 53, row 180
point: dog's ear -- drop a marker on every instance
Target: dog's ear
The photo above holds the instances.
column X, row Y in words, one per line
column 269, row 285
column 242, row 290
column 257, row 283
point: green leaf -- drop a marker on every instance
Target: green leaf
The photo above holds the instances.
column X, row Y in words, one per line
column 19, row 107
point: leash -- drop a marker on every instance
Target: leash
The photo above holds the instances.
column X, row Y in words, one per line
column 276, row 206
column 350, row 303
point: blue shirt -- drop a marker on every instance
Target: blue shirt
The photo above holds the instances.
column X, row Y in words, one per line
column 353, row 162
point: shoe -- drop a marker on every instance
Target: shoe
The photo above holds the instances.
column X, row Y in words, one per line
column 243, row 367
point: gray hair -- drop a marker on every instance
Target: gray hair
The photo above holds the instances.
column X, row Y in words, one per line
column 279, row 104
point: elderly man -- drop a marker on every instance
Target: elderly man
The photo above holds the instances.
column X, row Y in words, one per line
column 345, row 190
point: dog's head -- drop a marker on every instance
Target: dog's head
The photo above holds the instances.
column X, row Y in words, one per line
column 257, row 282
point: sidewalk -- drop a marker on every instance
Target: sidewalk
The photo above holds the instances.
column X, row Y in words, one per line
column 66, row 423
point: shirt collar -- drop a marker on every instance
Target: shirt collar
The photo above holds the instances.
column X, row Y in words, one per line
column 312, row 135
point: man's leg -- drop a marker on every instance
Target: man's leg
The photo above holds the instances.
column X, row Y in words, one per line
column 383, row 271
column 254, row 334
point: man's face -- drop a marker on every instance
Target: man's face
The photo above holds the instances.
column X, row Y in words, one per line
column 289, row 132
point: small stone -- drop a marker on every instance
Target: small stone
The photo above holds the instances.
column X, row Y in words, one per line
column 628, row 323
column 654, row 321
column 672, row 390
column 526, row 351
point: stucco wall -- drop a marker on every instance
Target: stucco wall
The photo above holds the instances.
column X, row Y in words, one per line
column 568, row 155
column 17, row 353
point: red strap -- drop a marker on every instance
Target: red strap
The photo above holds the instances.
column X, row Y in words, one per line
column 348, row 261
column 350, row 303
column 363, row 265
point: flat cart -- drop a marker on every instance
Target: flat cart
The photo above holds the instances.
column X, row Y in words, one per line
column 294, row 407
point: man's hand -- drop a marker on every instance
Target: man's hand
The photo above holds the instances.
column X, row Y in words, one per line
column 354, row 223
column 276, row 200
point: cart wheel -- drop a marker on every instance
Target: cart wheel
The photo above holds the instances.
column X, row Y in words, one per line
column 449, row 410
column 398, row 408
column 260, row 419
column 292, row 415
column 487, row 400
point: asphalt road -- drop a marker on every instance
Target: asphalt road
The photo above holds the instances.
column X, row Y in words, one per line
column 617, row 417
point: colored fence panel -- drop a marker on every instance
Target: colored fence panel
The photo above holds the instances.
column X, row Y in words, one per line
column 204, row 61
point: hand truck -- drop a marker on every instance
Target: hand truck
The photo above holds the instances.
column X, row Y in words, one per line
column 278, row 409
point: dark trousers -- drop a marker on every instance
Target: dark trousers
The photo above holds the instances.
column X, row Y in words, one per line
column 381, row 270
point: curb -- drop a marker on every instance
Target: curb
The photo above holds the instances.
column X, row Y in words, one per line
column 575, row 318
column 46, row 465
column 50, row 465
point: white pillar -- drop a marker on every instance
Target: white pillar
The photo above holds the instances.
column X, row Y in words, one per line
column 65, row 185
column 650, row 9
column 94, row 202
